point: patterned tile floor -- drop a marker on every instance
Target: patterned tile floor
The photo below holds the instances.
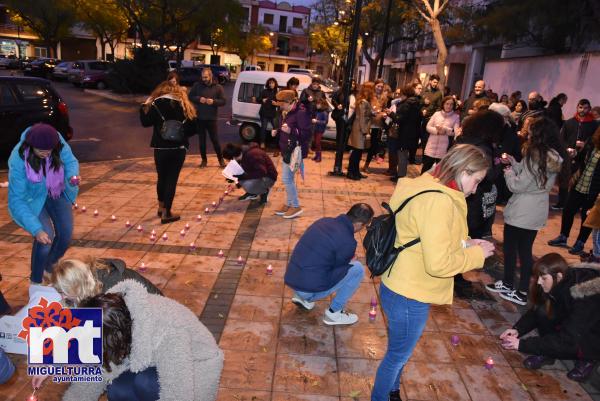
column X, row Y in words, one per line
column 274, row 351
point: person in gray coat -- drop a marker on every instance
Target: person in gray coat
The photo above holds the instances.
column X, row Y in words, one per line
column 154, row 349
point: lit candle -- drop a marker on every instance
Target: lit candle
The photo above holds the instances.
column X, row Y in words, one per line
column 187, row 226
column 455, row 340
column 142, row 267
column 489, row 363
column 165, row 237
column 207, row 210
column 83, row 209
column 75, row 205
column 226, row 192
column 269, row 270
column 127, row 224
column 220, row 253
column 140, row 228
column 373, row 302
column 75, row 180
column 96, row 213
column 192, row 246
column 199, row 217
column 113, row 217
column 372, row 314
column 505, row 156
column 214, row 204
column 153, row 232
column 182, row 232
column 152, row 237
column 240, row 260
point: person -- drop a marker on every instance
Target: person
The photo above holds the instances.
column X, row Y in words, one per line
column 422, row 275
column 565, row 313
column 592, row 221
column 582, row 197
column 259, row 174
column 596, row 113
column 412, row 153
column 442, row 125
column 554, row 110
column 530, row 181
column 76, row 280
column 168, row 102
column 432, row 102
column 292, row 84
column 181, row 362
column 407, row 120
column 535, row 108
column 360, row 136
column 322, row 264
column 173, row 79
column 208, row 96
column 378, row 105
column 575, row 133
column 520, row 108
column 478, row 93
column 322, row 118
column 504, row 99
column 268, row 110
column 43, row 176
column 295, row 131
column 311, row 95
column 7, row 368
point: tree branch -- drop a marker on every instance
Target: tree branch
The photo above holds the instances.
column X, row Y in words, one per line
column 428, row 7
column 441, row 9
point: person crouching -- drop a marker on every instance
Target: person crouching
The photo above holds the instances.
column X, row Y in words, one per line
column 259, row 174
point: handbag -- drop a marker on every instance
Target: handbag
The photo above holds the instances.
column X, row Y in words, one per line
column 171, row 130
column 292, row 144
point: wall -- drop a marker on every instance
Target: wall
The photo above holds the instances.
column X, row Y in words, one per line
column 577, row 75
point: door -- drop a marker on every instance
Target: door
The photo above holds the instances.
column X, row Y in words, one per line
column 283, row 23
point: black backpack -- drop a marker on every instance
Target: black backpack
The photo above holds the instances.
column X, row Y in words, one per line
column 381, row 235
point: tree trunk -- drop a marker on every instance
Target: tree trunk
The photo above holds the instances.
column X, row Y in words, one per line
column 103, row 43
column 113, row 45
column 442, row 51
column 373, row 68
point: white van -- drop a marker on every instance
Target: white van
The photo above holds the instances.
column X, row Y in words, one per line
column 245, row 104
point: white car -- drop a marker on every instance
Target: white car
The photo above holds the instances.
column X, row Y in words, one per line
column 245, row 106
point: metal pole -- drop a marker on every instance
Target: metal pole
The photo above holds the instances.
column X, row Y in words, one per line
column 385, row 39
column 348, row 76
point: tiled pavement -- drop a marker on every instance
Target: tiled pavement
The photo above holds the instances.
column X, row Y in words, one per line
column 274, row 351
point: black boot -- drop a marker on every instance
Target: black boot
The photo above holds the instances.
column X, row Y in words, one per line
column 395, row 396
column 168, row 217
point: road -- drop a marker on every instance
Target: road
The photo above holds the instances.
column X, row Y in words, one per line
column 107, row 130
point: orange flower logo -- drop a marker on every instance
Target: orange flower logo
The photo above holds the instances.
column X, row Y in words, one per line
column 46, row 315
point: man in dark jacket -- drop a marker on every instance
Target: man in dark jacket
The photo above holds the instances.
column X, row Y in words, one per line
column 259, row 174
column 322, row 264
column 478, row 93
column 208, row 96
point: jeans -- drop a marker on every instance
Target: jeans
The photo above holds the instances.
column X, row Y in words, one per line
column 406, row 322
column 577, row 201
column 129, row 386
column 518, row 240
column 257, row 186
column 210, row 126
column 375, row 144
column 168, row 164
column 287, row 177
column 57, row 221
column 344, row 289
column 596, row 242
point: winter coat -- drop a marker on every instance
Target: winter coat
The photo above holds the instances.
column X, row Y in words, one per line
column 593, row 218
column 168, row 336
column 361, row 126
column 118, row 272
column 468, row 104
column 207, row 112
column 171, row 109
column 322, row 256
column 574, row 130
column 408, row 119
column 511, row 143
column 425, row 272
column 267, row 108
column 437, row 144
column 576, row 301
column 435, row 97
column 256, row 164
column 317, row 95
column 528, row 206
column 298, row 119
column 26, row 199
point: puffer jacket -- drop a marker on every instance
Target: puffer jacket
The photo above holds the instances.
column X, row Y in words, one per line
column 437, row 144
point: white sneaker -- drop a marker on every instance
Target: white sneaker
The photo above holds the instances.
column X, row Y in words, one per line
column 341, row 317
column 498, row 286
column 516, row 297
column 297, row 300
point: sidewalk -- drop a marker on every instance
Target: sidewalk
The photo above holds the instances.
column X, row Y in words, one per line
column 273, row 350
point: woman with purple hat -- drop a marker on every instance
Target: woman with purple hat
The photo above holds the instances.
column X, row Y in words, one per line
column 43, row 183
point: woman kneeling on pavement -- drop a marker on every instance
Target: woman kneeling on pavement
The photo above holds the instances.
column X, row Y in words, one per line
column 565, row 313
column 423, row 274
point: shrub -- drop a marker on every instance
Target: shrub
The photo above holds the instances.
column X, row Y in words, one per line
column 140, row 75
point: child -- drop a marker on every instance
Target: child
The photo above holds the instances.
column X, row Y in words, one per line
column 322, row 117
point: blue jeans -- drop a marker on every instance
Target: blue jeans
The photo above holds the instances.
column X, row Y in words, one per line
column 406, row 321
column 129, row 386
column 344, row 289
column 57, row 221
column 287, row 176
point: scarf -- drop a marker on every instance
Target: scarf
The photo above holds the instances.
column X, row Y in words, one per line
column 588, row 118
column 450, row 184
column 55, row 178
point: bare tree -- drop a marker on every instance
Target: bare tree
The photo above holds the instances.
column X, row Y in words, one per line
column 431, row 15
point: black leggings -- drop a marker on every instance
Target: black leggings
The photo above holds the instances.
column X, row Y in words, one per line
column 211, row 127
column 375, row 144
column 168, row 166
column 577, row 201
column 262, row 135
column 518, row 241
column 354, row 162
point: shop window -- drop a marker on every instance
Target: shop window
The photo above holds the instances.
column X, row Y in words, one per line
column 268, row 19
column 41, row 52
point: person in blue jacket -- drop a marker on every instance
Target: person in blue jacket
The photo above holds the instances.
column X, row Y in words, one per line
column 322, row 264
column 43, row 184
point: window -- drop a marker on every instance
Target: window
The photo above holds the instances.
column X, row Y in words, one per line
column 31, row 92
column 6, row 96
column 98, row 65
column 297, row 23
column 262, row 65
column 41, row 52
column 283, row 46
column 249, row 92
column 268, row 19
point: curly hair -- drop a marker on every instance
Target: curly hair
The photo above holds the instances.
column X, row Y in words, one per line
column 178, row 92
column 543, row 138
column 116, row 327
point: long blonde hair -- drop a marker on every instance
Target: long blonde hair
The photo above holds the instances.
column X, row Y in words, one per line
column 461, row 158
column 178, row 92
column 76, row 279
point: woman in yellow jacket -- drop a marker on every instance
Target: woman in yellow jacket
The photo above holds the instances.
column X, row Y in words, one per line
column 424, row 273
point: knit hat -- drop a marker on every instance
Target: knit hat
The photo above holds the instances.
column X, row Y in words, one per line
column 286, row 96
column 42, row 136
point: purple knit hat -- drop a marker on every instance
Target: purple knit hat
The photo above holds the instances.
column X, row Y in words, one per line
column 42, row 136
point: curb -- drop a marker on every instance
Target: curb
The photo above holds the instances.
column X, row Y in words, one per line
column 133, row 99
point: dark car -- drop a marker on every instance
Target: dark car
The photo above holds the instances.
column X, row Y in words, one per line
column 26, row 101
column 42, row 67
column 89, row 73
column 188, row 76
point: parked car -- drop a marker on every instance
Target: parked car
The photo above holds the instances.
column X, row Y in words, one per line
column 220, row 72
column 26, row 62
column 188, row 76
column 61, row 71
column 42, row 67
column 303, row 71
column 26, row 101
column 89, row 73
column 10, row 61
column 252, row 68
column 245, row 102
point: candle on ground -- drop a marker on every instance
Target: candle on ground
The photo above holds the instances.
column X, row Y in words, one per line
column 83, row 209
column 269, row 270
column 192, row 246
column 127, row 224
column 142, row 267
column 489, row 363
column 372, row 313
column 182, row 232
column 187, row 226
column 199, row 217
column 455, row 340
column 96, row 213
column 220, row 253
column 113, row 217
column 240, row 260
column 165, row 237
column 140, row 228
